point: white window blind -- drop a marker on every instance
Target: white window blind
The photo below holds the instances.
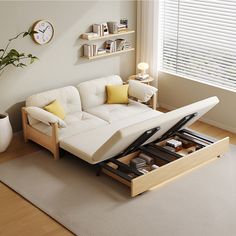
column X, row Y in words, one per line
column 198, row 40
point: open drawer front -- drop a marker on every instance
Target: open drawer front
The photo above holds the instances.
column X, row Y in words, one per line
column 166, row 163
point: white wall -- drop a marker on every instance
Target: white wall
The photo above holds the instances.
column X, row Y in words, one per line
column 60, row 63
column 175, row 92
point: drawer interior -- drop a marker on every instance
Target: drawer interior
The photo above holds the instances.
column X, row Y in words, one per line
column 154, row 155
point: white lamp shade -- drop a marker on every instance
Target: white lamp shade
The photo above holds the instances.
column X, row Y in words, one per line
column 143, row 66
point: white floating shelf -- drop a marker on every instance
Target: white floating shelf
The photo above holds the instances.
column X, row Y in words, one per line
column 110, row 35
column 109, row 54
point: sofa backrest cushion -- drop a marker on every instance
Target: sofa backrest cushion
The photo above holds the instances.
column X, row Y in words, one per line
column 68, row 97
column 93, row 92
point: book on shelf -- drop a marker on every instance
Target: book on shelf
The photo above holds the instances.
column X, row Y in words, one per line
column 97, row 28
column 89, row 35
column 121, row 27
column 90, row 50
column 109, row 45
column 116, row 45
column 120, row 44
column 86, row 50
column 101, row 29
column 95, row 49
column 101, row 51
column 127, row 45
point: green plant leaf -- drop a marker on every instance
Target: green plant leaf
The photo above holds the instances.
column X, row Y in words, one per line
column 21, row 65
column 12, row 56
column 14, row 64
column 5, row 60
column 31, row 31
column 14, row 52
column 25, row 34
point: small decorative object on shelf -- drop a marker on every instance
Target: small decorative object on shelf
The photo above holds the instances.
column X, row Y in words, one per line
column 6, row 132
column 124, row 21
column 113, row 27
column 105, row 30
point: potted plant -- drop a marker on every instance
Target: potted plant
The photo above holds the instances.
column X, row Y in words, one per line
column 11, row 57
column 6, row 132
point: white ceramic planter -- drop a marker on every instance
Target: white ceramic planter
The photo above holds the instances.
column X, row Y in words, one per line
column 5, row 132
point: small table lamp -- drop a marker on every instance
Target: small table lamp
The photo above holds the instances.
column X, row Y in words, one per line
column 143, row 66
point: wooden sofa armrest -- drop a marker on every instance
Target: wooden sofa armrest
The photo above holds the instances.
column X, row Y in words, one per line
column 49, row 142
column 154, row 101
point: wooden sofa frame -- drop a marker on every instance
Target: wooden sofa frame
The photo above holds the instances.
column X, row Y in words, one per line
column 51, row 142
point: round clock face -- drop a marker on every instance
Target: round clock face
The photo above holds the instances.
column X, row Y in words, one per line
column 44, row 31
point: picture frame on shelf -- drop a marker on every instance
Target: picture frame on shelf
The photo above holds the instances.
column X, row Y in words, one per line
column 105, row 30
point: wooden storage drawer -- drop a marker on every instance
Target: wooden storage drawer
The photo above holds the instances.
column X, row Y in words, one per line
column 180, row 164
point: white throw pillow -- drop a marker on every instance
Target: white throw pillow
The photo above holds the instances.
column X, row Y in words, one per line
column 44, row 116
column 141, row 91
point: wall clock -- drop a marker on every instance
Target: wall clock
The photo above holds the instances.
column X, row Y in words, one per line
column 44, row 31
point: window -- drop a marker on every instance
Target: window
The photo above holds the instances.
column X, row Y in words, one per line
column 198, row 40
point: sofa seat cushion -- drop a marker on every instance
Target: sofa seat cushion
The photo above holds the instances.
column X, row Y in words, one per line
column 85, row 144
column 76, row 123
column 116, row 112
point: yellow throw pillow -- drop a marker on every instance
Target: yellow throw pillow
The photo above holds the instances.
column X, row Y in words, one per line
column 56, row 109
column 117, row 94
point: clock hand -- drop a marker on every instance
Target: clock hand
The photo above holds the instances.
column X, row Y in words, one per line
column 45, row 29
column 41, row 31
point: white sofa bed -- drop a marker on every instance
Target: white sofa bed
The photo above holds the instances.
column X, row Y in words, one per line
column 86, row 109
column 111, row 135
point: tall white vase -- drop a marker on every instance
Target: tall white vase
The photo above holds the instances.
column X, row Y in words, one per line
column 5, row 132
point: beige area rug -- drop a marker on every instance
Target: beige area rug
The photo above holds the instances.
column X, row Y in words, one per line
column 200, row 203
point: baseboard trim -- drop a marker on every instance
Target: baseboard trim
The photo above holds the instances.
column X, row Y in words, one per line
column 205, row 120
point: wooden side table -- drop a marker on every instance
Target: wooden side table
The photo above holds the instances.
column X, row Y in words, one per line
column 145, row 81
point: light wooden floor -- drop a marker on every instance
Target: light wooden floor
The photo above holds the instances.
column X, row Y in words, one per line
column 19, row 217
